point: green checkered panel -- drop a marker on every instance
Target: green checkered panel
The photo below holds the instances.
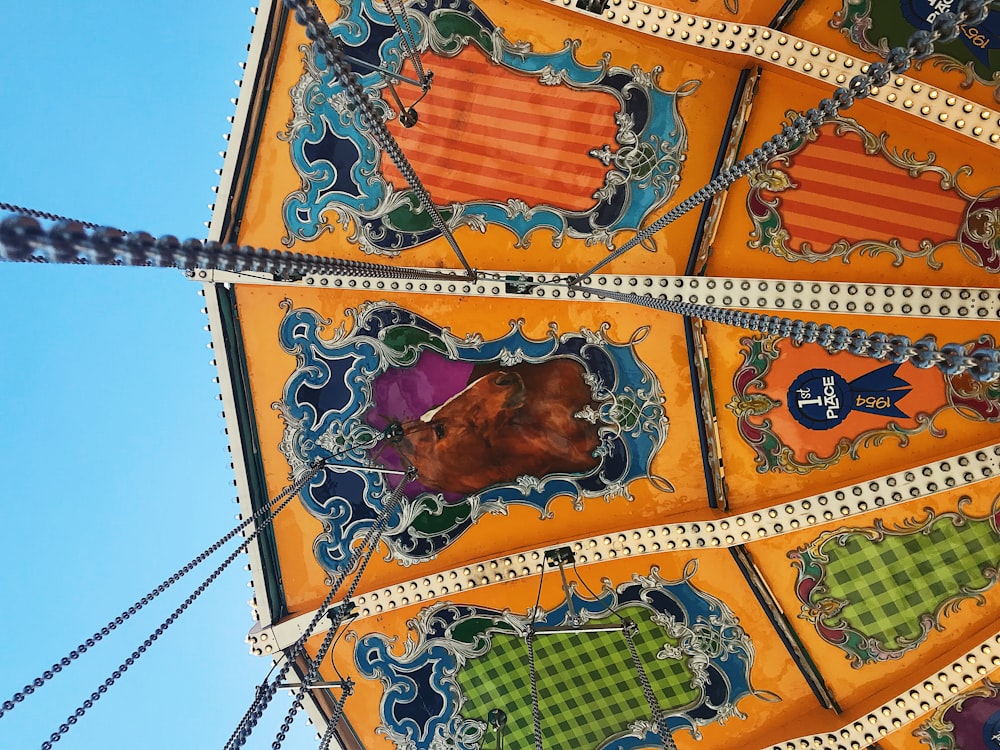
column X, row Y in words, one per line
column 588, row 689
column 888, row 585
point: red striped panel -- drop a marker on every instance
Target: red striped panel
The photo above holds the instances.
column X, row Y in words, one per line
column 506, row 136
column 844, row 193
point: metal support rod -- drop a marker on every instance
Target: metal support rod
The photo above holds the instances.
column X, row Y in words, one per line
column 373, row 469
column 383, row 71
column 404, row 113
column 317, row 685
column 574, row 617
column 555, row 629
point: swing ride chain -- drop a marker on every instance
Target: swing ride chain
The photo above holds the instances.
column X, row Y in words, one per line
column 99, row 635
column 335, row 714
column 920, row 45
column 35, row 213
column 982, row 365
column 629, row 629
column 536, row 714
column 317, row 30
column 408, row 41
column 265, row 692
column 265, row 695
column 165, row 625
column 371, row 542
column 311, row 676
column 22, row 237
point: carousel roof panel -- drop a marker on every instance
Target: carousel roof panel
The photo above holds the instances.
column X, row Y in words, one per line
column 806, row 541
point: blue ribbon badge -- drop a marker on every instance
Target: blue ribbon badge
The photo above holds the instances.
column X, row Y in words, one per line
column 991, row 731
column 821, row 399
column 980, row 40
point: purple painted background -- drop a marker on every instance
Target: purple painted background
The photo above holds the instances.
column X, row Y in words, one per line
column 970, row 723
column 403, row 393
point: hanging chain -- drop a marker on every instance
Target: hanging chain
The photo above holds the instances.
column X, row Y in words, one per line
column 630, row 629
column 310, row 678
column 310, row 17
column 23, row 239
column 35, row 213
column 154, row 636
column 264, row 697
column 982, row 364
column 920, row 45
column 312, row 674
column 536, row 714
column 409, row 41
column 335, row 714
column 99, row 635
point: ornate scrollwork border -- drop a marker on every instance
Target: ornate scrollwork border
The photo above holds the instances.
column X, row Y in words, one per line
column 630, row 414
column 937, row 731
column 854, row 20
column 644, row 164
column 977, row 238
column 750, row 406
column 826, row 613
column 698, row 628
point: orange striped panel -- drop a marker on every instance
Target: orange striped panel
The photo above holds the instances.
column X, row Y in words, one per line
column 506, row 136
column 844, row 193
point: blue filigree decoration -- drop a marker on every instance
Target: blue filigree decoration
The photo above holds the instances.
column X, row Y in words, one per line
column 339, row 163
column 422, row 702
column 329, row 409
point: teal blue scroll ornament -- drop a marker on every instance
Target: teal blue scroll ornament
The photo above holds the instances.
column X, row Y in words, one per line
column 460, row 661
column 340, row 164
column 383, row 362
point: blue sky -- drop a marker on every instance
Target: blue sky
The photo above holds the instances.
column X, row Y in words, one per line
column 114, row 463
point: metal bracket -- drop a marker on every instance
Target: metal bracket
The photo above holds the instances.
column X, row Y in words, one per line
column 343, row 612
column 347, row 684
column 592, row 628
column 559, row 557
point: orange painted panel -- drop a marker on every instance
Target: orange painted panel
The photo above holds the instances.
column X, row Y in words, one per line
column 517, row 526
column 705, row 82
column 763, row 719
column 952, row 632
column 771, row 454
column 879, row 196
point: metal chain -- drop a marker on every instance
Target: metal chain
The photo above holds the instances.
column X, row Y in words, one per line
column 409, row 41
column 165, row 625
column 629, row 629
column 35, row 213
column 982, row 364
column 367, row 549
column 311, row 676
column 310, row 17
column 264, row 697
column 113, row 624
column 536, row 714
column 335, row 714
column 23, row 239
column 920, row 45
